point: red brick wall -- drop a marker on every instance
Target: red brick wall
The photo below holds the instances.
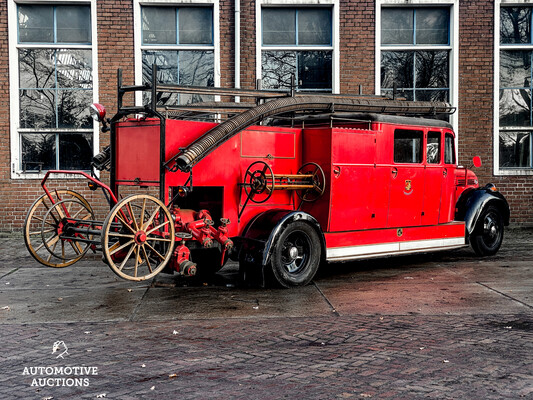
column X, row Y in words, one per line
column 357, row 55
column 476, row 105
column 357, row 46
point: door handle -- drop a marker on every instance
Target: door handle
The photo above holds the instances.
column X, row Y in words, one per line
column 336, row 171
column 445, row 172
column 394, row 172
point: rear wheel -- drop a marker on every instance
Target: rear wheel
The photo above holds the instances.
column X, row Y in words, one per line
column 33, row 229
column 296, row 255
column 488, row 232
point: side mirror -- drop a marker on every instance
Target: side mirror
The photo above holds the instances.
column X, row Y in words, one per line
column 477, row 161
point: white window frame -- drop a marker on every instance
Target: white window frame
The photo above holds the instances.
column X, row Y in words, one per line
column 16, row 162
column 139, row 47
column 334, row 48
column 453, row 47
column 496, row 116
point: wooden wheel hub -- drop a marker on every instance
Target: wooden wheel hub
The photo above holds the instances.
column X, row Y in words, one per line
column 140, row 237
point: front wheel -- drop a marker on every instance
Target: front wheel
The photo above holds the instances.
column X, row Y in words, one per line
column 296, row 255
column 488, row 232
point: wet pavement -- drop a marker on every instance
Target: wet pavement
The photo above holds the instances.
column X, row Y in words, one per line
column 443, row 325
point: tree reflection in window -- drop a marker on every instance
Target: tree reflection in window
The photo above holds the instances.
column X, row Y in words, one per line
column 418, row 75
column 516, row 88
column 55, row 86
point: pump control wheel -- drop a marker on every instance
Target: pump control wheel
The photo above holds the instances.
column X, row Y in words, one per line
column 259, row 182
column 317, row 179
column 33, row 228
column 137, row 237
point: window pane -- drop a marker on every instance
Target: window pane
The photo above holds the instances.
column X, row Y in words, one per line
column 167, row 66
column 37, row 109
column 73, row 24
column 515, row 149
column 515, row 69
column 431, row 69
column 75, row 151
column 36, row 24
column 397, row 66
column 74, row 69
column 433, row 148
column 515, row 25
column 396, row 25
column 432, row 95
column 38, row 151
column 408, row 146
column 401, row 93
column 515, row 107
column 314, row 26
column 36, row 68
column 159, row 25
column 195, row 25
column 196, row 68
column 279, row 26
column 314, row 70
column 449, row 150
column 72, row 108
column 432, row 25
column 277, row 68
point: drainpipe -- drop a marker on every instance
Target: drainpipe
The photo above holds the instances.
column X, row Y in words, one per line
column 237, row 47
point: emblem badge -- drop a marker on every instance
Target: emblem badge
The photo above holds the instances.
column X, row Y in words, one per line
column 408, row 187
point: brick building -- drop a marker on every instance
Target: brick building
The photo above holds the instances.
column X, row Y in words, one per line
column 59, row 56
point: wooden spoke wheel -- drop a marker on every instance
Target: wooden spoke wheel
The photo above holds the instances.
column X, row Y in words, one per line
column 318, row 181
column 259, row 182
column 138, row 237
column 56, row 229
column 33, row 226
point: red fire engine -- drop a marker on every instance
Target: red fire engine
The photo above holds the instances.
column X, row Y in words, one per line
column 282, row 185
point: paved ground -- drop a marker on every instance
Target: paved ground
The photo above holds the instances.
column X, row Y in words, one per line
column 442, row 326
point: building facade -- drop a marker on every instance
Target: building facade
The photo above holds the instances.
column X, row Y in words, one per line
column 60, row 56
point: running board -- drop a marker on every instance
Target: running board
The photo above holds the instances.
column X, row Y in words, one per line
column 353, row 245
column 390, row 249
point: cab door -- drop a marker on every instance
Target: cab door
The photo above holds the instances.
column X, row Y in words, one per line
column 407, row 179
column 447, row 208
column 433, row 178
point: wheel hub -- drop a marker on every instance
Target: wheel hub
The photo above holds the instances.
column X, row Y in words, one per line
column 293, row 253
column 140, row 237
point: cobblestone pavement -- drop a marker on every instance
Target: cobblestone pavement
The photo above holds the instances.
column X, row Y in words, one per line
column 442, row 326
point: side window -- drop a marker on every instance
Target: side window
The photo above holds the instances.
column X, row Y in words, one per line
column 408, row 146
column 449, row 149
column 433, row 148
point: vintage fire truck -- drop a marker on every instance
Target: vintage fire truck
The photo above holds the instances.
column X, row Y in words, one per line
column 280, row 182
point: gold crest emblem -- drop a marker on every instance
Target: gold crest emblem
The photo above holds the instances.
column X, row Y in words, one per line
column 407, row 185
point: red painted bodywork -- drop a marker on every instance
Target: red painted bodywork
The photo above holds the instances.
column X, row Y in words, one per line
column 367, row 197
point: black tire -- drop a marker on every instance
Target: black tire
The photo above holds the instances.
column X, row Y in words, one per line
column 296, row 255
column 488, row 232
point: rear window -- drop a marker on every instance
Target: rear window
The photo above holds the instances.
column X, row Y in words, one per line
column 408, row 146
column 449, row 149
column 433, row 148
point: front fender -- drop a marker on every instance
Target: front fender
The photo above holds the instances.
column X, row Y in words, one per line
column 262, row 233
column 472, row 203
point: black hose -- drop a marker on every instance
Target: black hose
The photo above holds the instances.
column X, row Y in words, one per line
column 213, row 138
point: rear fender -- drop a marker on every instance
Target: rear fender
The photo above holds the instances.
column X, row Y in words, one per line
column 262, row 234
column 472, row 203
